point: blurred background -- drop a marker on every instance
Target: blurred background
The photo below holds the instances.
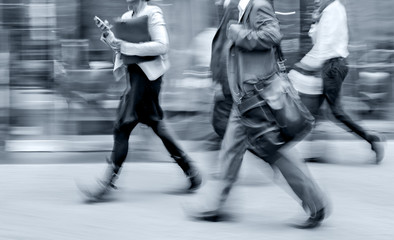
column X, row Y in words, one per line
column 57, row 105
column 57, row 89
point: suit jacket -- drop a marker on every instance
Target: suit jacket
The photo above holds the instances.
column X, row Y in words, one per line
column 220, row 48
column 252, row 57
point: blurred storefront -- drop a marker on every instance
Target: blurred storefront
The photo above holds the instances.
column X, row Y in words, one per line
column 58, row 74
column 370, row 81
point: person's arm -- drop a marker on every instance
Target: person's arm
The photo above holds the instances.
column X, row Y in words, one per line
column 325, row 38
column 265, row 33
column 159, row 43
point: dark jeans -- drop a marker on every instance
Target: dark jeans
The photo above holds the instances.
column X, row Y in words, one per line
column 121, row 144
column 221, row 113
column 334, row 72
column 313, row 103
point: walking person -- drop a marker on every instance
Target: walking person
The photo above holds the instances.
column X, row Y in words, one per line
column 140, row 101
column 328, row 57
column 223, row 100
column 252, row 68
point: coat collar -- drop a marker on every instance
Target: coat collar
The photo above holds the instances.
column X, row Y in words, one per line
column 247, row 11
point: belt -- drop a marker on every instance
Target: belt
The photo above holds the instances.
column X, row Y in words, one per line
column 251, row 89
column 336, row 59
column 250, row 102
column 251, row 98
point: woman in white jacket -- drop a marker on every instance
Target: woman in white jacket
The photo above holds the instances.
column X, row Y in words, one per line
column 140, row 101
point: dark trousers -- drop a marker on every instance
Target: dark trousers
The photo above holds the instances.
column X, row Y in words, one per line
column 221, row 112
column 334, row 72
column 140, row 104
column 121, row 144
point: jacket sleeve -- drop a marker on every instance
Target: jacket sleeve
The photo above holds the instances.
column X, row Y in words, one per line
column 159, row 43
column 265, row 32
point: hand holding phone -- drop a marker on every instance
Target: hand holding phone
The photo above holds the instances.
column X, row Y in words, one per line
column 103, row 25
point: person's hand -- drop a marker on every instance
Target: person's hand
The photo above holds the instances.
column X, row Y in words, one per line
column 233, row 28
column 109, row 38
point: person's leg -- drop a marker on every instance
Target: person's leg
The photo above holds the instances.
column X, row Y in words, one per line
column 302, row 184
column 118, row 156
column 313, row 103
column 127, row 117
column 180, row 157
column 170, row 144
column 121, row 144
column 271, row 146
column 333, row 73
column 221, row 113
column 231, row 154
column 299, row 179
column 233, row 149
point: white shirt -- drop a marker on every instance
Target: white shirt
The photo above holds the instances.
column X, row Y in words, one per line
column 226, row 3
column 242, row 7
column 330, row 36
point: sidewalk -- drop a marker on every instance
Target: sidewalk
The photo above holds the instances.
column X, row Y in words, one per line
column 42, row 202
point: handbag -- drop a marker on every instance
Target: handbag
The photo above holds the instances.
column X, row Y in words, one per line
column 277, row 100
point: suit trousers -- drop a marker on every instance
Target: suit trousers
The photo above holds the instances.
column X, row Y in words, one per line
column 221, row 112
column 294, row 171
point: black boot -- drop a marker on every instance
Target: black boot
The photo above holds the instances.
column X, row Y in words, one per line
column 378, row 146
column 104, row 185
column 190, row 171
column 195, row 180
column 314, row 220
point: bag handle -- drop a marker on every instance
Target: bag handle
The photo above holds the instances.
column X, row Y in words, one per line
column 281, row 59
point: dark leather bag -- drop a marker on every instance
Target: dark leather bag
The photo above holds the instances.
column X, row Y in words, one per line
column 133, row 30
column 276, row 100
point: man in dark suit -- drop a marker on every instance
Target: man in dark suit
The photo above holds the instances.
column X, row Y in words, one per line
column 252, row 62
column 223, row 101
column 220, row 47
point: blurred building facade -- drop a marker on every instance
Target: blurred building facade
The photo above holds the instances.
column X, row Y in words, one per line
column 57, row 74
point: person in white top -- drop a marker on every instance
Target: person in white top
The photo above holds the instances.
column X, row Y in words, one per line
column 328, row 56
column 140, row 101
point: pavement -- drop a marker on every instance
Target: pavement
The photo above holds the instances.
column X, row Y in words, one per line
column 40, row 197
column 42, row 201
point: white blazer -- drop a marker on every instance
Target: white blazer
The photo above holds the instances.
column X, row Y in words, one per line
column 158, row 46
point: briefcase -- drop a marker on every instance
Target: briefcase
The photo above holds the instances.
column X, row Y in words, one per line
column 133, row 30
